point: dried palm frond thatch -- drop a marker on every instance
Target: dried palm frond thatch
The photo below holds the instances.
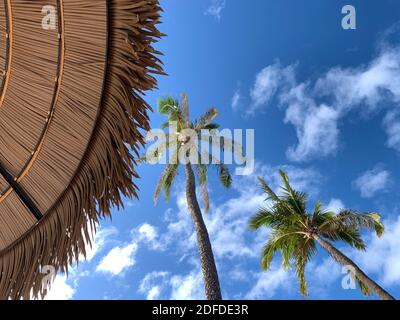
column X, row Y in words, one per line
column 71, row 112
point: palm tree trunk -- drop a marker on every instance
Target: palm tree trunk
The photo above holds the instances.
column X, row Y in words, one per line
column 208, row 267
column 345, row 261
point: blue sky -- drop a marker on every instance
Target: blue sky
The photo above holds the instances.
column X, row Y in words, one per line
column 324, row 104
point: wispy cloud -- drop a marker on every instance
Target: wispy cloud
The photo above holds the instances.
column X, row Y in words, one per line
column 268, row 283
column 236, row 100
column 187, row 287
column 216, row 8
column 391, row 125
column 166, row 285
column 103, row 236
column 153, row 284
column 315, row 108
column 267, row 83
column 372, row 182
column 335, row 205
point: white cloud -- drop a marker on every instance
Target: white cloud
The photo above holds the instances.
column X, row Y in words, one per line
column 147, row 234
column 335, row 205
column 325, row 273
column 383, row 255
column 316, row 125
column 364, row 89
column 268, row 283
column 372, row 182
column 60, row 290
column 315, row 108
column 101, row 238
column 321, row 276
column 64, row 288
column 153, row 284
column 163, row 285
column 118, row 260
column 188, row 287
column 154, row 293
column 216, row 8
column 391, row 124
column 122, row 257
column 237, row 97
column 364, row 86
column 267, row 83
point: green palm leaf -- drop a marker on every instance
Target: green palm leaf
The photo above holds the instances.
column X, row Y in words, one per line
column 167, row 106
column 224, row 175
column 166, row 180
column 206, row 119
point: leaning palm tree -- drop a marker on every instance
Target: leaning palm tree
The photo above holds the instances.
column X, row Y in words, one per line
column 296, row 233
column 183, row 145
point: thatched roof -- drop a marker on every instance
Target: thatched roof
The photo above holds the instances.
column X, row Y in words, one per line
column 68, row 117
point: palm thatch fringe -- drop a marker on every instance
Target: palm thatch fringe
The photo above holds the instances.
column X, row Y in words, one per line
column 107, row 170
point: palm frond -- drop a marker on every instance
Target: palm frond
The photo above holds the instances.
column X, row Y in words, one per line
column 165, row 125
column 301, row 270
column 169, row 180
column 166, row 178
column 224, row 175
column 206, row 119
column 368, row 220
column 226, row 144
column 202, row 173
column 297, row 200
column 349, row 235
column 167, row 105
column 211, row 126
column 269, row 250
column 155, row 153
column 265, row 187
column 303, row 254
column 263, row 218
column 321, row 217
column 364, row 289
column 234, row 147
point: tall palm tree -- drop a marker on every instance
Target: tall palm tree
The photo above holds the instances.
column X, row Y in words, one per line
column 296, row 233
column 179, row 117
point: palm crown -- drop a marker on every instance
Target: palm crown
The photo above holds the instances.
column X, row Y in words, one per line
column 180, row 115
column 295, row 231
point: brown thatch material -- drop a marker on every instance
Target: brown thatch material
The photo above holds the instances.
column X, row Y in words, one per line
column 68, row 116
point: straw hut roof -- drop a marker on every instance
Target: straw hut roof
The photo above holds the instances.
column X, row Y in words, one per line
column 72, row 76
